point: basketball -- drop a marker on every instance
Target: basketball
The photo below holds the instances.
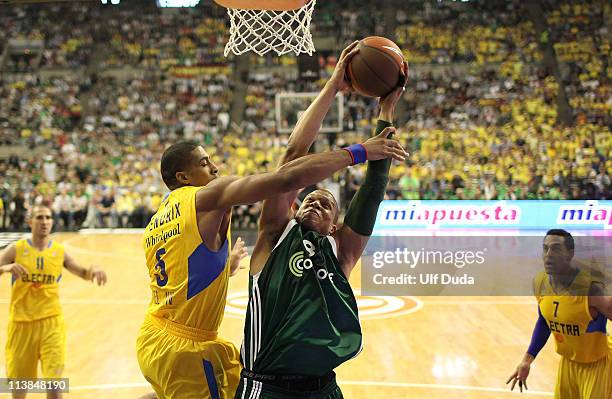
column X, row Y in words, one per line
column 377, row 68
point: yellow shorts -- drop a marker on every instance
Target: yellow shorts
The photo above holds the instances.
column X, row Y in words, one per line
column 585, row 380
column 29, row 341
column 182, row 363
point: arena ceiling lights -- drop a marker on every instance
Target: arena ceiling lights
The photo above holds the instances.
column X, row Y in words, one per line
column 177, row 3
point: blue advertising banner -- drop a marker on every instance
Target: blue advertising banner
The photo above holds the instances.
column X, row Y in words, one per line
column 410, row 215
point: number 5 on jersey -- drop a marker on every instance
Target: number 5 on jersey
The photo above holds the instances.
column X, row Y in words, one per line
column 160, row 268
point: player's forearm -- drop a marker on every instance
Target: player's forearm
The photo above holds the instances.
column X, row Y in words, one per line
column 84, row 273
column 386, row 116
column 311, row 169
column 361, row 213
column 528, row 358
column 80, row 271
column 308, row 126
column 540, row 335
column 387, row 113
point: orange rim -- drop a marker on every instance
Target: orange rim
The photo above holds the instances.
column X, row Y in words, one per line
column 275, row 5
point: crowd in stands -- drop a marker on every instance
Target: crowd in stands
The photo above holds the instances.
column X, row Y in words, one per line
column 135, row 33
column 487, row 130
column 155, row 39
column 65, row 45
column 582, row 41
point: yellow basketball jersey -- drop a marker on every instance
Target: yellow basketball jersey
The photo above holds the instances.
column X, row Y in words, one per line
column 578, row 336
column 188, row 281
column 36, row 295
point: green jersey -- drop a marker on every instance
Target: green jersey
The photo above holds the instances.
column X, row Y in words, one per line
column 302, row 316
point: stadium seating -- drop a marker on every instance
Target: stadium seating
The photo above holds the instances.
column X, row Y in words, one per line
column 482, row 128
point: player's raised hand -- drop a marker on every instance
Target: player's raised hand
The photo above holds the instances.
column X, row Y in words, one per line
column 388, row 103
column 239, row 252
column 520, row 376
column 97, row 275
column 339, row 79
column 381, row 147
column 15, row 269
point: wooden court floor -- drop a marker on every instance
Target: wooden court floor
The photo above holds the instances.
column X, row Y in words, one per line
column 428, row 347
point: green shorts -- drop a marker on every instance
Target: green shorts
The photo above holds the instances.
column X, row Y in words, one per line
column 253, row 389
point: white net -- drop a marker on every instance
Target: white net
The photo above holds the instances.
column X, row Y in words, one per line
column 261, row 31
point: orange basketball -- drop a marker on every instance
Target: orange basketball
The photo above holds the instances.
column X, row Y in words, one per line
column 377, row 68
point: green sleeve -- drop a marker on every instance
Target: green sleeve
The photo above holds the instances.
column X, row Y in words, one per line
column 361, row 213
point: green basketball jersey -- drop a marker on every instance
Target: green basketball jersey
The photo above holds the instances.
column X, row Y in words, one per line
column 302, row 314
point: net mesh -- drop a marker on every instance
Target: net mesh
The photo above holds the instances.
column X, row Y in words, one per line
column 261, row 31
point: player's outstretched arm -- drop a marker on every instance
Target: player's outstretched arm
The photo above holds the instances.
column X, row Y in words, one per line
column 93, row 273
column 8, row 265
column 540, row 335
column 308, row 126
column 222, row 193
column 360, row 217
column 276, row 211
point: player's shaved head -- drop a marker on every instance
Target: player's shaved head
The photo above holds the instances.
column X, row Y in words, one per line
column 175, row 159
column 319, row 212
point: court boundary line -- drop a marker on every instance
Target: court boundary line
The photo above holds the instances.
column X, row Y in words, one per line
column 75, row 301
column 388, row 384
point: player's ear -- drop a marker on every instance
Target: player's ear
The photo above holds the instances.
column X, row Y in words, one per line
column 182, row 178
column 333, row 229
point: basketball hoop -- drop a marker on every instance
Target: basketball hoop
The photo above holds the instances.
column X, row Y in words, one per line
column 282, row 26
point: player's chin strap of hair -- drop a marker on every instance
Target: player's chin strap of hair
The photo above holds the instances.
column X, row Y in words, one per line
column 540, row 335
column 361, row 214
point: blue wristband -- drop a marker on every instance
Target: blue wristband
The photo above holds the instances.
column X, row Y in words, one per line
column 358, row 153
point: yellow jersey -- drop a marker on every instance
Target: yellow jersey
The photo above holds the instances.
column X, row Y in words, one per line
column 578, row 336
column 36, row 295
column 188, row 281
